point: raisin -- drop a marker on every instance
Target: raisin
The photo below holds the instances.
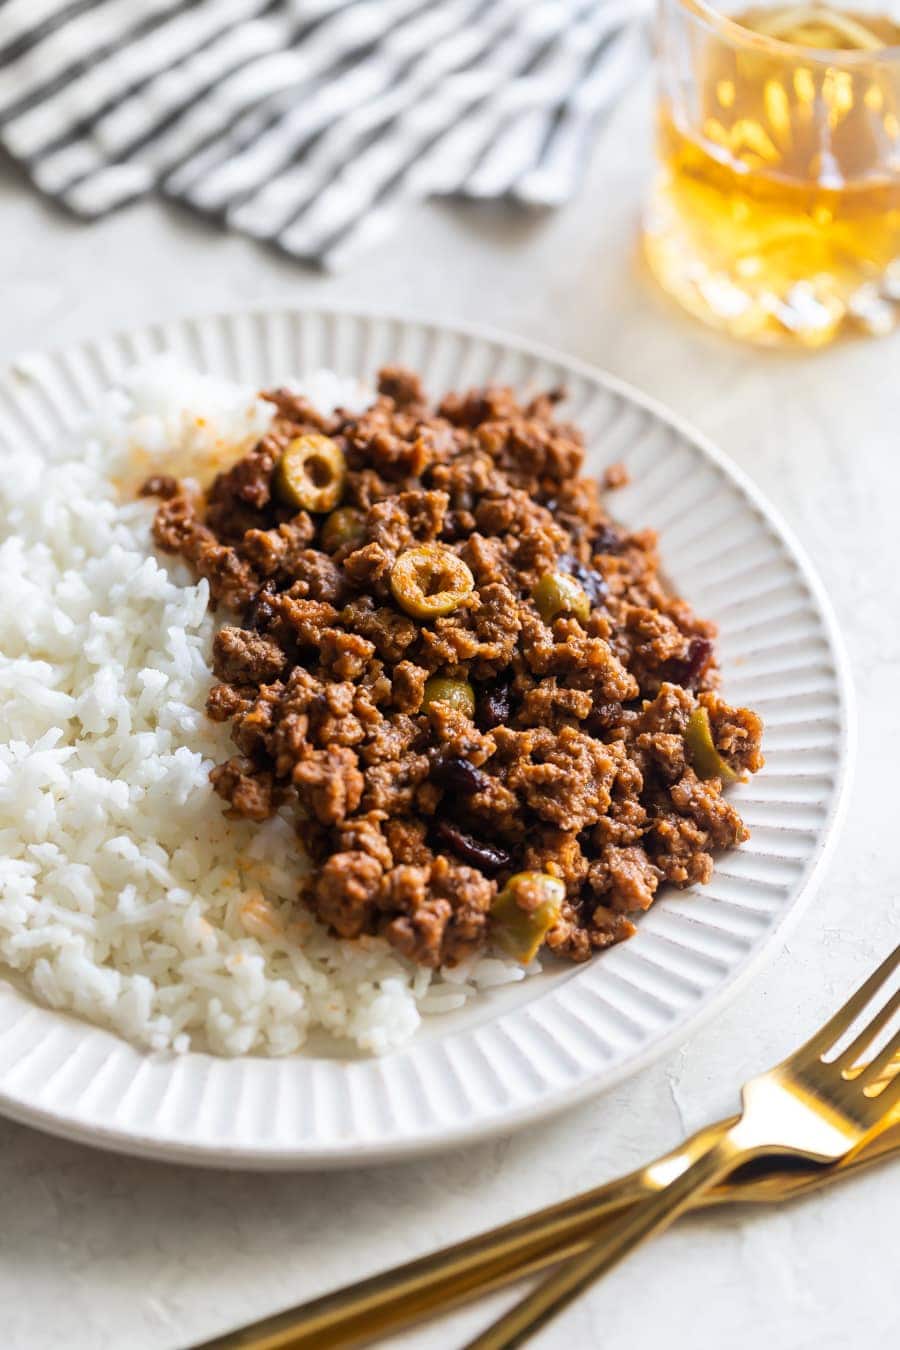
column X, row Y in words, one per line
column 259, row 613
column 603, row 717
column 692, row 669
column 494, row 708
column 473, row 851
column 607, row 540
column 459, row 774
column 592, row 582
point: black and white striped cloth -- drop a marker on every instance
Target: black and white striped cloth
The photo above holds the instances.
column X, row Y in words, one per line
column 309, row 123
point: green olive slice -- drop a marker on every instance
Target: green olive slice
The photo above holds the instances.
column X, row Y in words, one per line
column 345, row 527
column 557, row 594
column 459, row 694
column 311, row 473
column 430, row 581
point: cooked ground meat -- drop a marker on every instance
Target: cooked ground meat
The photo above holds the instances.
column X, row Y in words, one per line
column 567, row 744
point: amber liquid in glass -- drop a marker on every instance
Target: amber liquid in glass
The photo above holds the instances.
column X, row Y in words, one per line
column 778, row 218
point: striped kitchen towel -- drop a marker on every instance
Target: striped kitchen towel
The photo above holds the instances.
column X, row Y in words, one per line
column 309, row 123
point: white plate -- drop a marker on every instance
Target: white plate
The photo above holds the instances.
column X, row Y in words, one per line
column 531, row 1049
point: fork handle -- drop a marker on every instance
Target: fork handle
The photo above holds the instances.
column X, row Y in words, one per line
column 717, row 1158
column 368, row 1310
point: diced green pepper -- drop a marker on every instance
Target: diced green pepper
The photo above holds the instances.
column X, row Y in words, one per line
column 524, row 912
column 707, row 761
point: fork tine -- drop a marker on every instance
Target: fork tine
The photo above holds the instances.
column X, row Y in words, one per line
column 835, row 1027
column 884, row 1105
column 850, row 1056
column 879, row 1064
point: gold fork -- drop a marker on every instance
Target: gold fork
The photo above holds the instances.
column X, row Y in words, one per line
column 807, row 1107
column 432, row 1284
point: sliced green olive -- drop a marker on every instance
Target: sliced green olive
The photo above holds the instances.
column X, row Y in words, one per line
column 707, row 761
column 430, row 581
column 343, row 527
column 458, row 693
column 557, row 594
column 524, row 912
column 311, row 473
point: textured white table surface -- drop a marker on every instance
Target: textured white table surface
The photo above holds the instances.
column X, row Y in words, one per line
column 100, row 1252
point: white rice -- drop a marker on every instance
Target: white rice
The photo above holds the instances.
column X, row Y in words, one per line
column 126, row 896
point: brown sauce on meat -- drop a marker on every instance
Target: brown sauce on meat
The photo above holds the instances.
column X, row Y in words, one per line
column 574, row 761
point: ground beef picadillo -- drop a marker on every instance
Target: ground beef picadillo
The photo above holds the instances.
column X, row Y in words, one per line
column 574, row 762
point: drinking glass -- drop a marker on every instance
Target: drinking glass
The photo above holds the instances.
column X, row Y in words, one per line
column 775, row 211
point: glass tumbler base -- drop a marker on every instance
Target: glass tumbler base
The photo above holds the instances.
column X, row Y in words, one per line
column 748, row 297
